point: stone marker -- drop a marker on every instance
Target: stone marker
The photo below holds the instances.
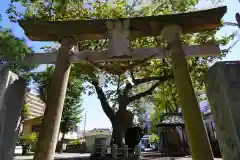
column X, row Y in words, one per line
column 12, row 97
column 223, row 89
column 114, row 151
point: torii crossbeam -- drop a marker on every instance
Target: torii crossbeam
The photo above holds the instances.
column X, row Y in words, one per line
column 120, row 32
column 138, row 54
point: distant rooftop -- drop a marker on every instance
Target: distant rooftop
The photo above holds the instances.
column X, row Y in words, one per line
column 100, row 129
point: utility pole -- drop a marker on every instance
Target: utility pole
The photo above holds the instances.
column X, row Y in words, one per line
column 84, row 130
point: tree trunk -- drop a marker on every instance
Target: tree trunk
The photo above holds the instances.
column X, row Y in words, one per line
column 117, row 135
column 60, row 144
column 63, row 137
column 121, row 122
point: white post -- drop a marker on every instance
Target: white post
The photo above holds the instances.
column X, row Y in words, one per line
column 92, row 153
column 125, row 151
column 102, row 150
column 114, row 151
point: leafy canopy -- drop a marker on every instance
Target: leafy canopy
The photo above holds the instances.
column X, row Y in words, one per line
column 14, row 49
column 72, row 111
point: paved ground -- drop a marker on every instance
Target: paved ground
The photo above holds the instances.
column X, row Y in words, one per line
column 157, row 156
column 70, row 156
column 76, row 156
column 175, row 158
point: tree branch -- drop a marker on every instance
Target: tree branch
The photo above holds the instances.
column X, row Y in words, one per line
column 127, row 88
column 147, row 92
column 118, row 85
column 151, row 89
column 132, row 75
column 174, row 99
column 145, row 80
column 154, row 78
column 104, row 103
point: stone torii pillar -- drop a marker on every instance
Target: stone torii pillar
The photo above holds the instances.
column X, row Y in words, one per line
column 197, row 136
column 48, row 137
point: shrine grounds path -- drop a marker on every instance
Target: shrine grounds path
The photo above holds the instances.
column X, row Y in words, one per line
column 77, row 156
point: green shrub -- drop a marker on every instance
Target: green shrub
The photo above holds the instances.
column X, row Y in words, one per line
column 76, row 142
column 29, row 139
column 27, row 142
column 154, row 138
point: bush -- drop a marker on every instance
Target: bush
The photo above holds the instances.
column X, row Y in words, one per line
column 76, row 142
column 154, row 138
column 27, row 141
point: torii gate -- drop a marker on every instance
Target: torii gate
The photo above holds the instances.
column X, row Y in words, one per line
column 120, row 32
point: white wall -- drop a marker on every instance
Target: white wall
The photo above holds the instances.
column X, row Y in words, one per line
column 69, row 135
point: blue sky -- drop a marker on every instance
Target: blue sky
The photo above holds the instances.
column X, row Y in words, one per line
column 95, row 116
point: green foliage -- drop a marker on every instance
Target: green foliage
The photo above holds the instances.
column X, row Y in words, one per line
column 58, row 5
column 42, row 80
column 29, row 139
column 76, row 141
column 26, row 111
column 14, row 49
column 154, row 138
column 72, row 107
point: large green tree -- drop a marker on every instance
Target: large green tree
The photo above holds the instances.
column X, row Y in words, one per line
column 14, row 49
column 72, row 111
column 117, row 95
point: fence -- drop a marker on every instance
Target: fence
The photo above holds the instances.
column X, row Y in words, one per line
column 125, row 152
